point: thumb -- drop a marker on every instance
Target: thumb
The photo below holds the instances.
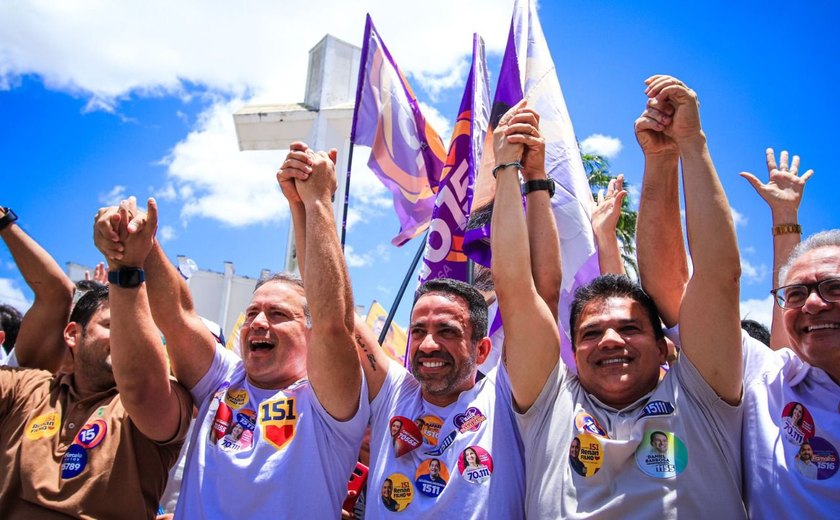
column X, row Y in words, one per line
column 753, row 180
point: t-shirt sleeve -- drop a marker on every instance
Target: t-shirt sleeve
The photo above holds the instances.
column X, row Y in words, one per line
column 223, row 365
column 532, row 419
column 387, row 394
column 758, row 358
column 691, row 379
column 351, row 431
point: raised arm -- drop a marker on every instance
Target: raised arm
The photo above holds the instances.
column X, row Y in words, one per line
column 40, row 341
column 546, row 266
column 189, row 343
column 332, row 363
column 297, row 165
column 709, row 320
column 783, row 194
column 532, row 342
column 137, row 353
column 604, row 222
column 660, row 246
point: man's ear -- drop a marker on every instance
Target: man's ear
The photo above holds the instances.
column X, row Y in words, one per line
column 483, row 350
column 72, row 332
column 662, row 345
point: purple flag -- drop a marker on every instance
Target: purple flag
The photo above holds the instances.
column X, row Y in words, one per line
column 528, row 71
column 406, row 153
column 444, row 256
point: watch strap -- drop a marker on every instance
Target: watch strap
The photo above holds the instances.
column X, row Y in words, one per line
column 8, row 217
column 127, row 277
column 537, row 185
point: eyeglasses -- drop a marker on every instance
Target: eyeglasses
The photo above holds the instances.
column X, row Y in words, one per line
column 795, row 296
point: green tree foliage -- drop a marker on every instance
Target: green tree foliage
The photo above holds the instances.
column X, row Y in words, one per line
column 598, row 174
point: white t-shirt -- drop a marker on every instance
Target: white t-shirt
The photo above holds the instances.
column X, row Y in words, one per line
column 673, row 453
column 259, row 453
column 787, row 403
column 487, row 481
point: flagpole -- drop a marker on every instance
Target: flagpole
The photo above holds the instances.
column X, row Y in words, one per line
column 346, row 195
column 401, row 292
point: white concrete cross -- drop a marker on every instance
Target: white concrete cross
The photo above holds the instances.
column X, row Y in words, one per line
column 323, row 120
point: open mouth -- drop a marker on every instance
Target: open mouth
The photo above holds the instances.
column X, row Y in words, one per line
column 613, row 361
column 261, row 345
column 822, row 326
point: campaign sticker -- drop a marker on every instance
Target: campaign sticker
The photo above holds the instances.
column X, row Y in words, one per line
column 663, row 455
column 236, row 399
column 585, row 423
column 586, row 455
column 444, row 444
column 219, row 394
column 797, row 423
column 405, row 435
column 221, row 422
column 278, row 419
column 470, row 420
column 397, row 492
column 431, row 477
column 92, row 434
column 816, row 459
column 240, row 434
column 655, row 408
column 43, row 426
column 475, row 465
column 73, row 462
column 430, row 426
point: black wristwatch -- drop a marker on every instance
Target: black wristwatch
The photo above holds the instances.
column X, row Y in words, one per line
column 539, row 184
column 8, row 218
column 127, row 277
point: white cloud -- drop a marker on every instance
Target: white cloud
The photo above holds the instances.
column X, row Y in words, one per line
column 634, row 193
column 156, row 47
column 738, row 218
column 166, row 233
column 760, row 310
column 441, row 124
column 602, row 145
column 753, row 273
column 113, row 197
column 167, row 193
column 13, row 295
column 215, row 180
column 376, row 256
column 228, row 55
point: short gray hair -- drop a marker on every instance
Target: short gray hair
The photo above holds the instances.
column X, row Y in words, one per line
column 830, row 238
column 289, row 279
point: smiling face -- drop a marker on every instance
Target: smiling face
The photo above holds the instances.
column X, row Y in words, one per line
column 574, row 448
column 806, row 453
column 814, row 328
column 387, row 488
column 274, row 335
column 443, row 355
column 659, row 441
column 470, row 457
column 617, row 353
column 396, row 426
column 434, row 468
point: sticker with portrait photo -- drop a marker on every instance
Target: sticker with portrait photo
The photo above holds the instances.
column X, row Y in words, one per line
column 661, row 454
column 396, row 492
column 431, row 477
column 405, row 435
column 475, row 464
column 797, row 424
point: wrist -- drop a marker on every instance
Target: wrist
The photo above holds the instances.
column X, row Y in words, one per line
column 784, row 216
column 692, row 145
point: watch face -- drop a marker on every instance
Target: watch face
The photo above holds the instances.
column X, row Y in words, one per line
column 127, row 277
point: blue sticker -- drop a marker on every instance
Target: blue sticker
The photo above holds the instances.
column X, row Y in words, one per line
column 445, row 443
column 657, row 408
column 74, row 461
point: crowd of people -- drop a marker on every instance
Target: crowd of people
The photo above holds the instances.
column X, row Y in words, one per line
column 671, row 408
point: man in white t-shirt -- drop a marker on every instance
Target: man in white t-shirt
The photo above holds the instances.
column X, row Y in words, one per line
column 277, row 431
column 606, row 417
column 792, row 396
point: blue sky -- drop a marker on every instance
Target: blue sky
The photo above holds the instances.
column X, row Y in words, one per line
column 101, row 101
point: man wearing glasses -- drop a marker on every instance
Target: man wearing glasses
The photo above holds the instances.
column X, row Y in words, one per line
column 806, row 377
